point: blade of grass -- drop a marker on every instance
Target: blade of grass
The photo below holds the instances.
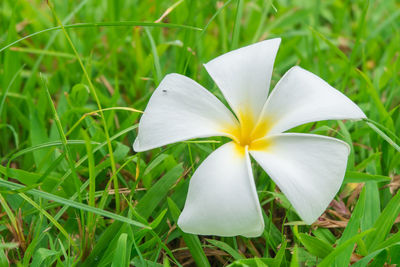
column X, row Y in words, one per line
column 328, row 260
column 42, row 52
column 203, row 31
column 385, row 116
column 351, row 230
column 68, row 154
column 3, row 98
column 93, row 92
column 389, row 132
column 84, row 158
column 15, row 135
column 153, row 233
column 92, row 178
column 48, row 216
column 315, row 246
column 47, row 145
column 12, row 218
column 156, row 59
column 97, row 111
column 236, row 27
column 105, row 24
column 384, row 136
column 70, row 203
column 225, row 247
column 120, row 254
column 192, row 241
column 384, row 223
column 158, row 191
column 359, row 177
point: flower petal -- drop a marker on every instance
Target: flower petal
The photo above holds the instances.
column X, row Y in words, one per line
column 308, row 169
column 181, row 109
column 244, row 75
column 222, row 198
column 301, row 97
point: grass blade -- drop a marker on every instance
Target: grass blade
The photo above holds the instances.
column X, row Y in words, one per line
column 74, row 204
column 339, row 249
column 3, row 98
column 359, row 177
column 93, row 92
column 192, row 241
column 384, row 136
column 104, row 24
column 384, row 223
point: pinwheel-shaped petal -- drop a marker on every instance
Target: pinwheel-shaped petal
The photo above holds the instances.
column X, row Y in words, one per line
column 222, row 198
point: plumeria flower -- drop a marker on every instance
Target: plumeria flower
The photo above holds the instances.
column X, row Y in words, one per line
column 222, row 198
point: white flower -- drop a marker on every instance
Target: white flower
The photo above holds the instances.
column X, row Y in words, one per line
column 222, row 198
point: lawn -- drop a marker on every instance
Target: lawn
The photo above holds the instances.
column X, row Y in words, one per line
column 76, row 76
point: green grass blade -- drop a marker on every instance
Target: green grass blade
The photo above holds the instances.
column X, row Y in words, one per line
column 236, row 27
column 120, row 254
column 92, row 176
column 156, row 59
column 158, row 192
column 227, row 248
column 68, row 154
column 351, row 230
column 359, row 177
column 74, row 204
column 384, row 223
column 315, row 246
column 47, row 145
column 384, row 136
column 93, row 92
column 104, row 24
column 192, row 241
column 3, row 98
column 328, row 260
column 47, row 215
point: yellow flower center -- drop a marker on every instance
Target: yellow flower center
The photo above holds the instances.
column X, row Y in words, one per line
column 249, row 132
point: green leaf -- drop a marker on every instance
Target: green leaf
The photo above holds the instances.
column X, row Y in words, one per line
column 294, row 262
column 120, row 255
column 192, row 241
column 359, row 177
column 158, row 191
column 79, row 95
column 384, row 136
column 225, row 247
column 315, row 246
column 74, row 204
column 104, row 24
column 3, row 98
column 393, row 240
column 3, row 259
column 27, row 178
column 9, row 245
column 351, row 230
column 254, row 262
column 42, row 256
column 328, row 260
column 372, row 205
column 38, row 136
column 384, row 223
column 281, row 254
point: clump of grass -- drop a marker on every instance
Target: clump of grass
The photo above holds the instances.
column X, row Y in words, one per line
column 74, row 78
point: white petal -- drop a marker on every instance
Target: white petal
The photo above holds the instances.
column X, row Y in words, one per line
column 301, row 97
column 178, row 110
column 244, row 75
column 308, row 169
column 222, row 198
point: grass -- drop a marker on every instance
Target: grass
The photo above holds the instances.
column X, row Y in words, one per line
column 75, row 76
